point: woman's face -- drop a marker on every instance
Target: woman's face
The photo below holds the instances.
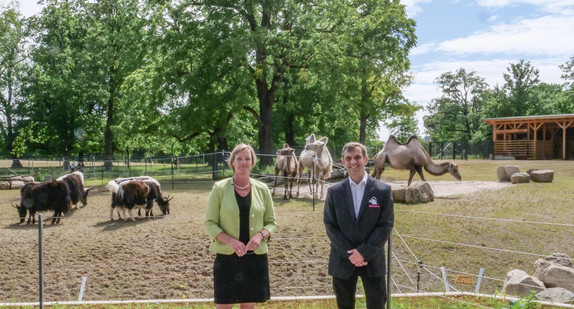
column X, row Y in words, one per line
column 242, row 162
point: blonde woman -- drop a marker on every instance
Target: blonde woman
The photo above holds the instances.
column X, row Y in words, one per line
column 240, row 219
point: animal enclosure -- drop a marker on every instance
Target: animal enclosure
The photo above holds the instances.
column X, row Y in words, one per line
column 167, row 257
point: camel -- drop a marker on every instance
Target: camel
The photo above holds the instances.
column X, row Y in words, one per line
column 288, row 164
column 413, row 157
column 316, row 154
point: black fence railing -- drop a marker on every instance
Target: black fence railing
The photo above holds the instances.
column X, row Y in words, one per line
column 207, row 166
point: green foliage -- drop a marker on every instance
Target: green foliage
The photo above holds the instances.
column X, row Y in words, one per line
column 13, row 31
column 456, row 115
column 403, row 127
column 28, row 134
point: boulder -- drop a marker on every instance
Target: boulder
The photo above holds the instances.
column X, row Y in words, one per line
column 419, row 192
column 18, row 184
column 542, row 175
column 399, row 194
column 505, row 171
column 556, row 295
column 530, row 170
column 556, row 271
column 520, row 178
column 519, row 283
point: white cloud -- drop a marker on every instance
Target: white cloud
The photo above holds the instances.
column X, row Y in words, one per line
column 540, row 36
column 413, row 8
column 555, row 6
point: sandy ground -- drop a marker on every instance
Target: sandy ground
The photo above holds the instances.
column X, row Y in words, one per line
column 441, row 189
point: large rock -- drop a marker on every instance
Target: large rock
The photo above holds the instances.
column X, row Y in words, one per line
column 556, row 271
column 556, row 295
column 504, row 172
column 519, row 283
column 420, row 192
column 520, row 178
column 542, row 175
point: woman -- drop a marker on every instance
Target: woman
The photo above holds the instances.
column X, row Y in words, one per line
column 240, row 219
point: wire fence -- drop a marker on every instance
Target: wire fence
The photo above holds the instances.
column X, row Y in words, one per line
column 410, row 272
column 198, row 166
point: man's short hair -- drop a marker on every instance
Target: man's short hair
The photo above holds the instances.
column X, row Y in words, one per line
column 352, row 145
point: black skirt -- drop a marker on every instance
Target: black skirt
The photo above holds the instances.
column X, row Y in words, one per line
column 241, row 279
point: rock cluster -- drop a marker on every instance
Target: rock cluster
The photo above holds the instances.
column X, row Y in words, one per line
column 512, row 173
column 553, row 280
column 15, row 182
column 420, row 192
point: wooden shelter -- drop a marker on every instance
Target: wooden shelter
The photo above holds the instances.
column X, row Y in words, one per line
column 534, row 137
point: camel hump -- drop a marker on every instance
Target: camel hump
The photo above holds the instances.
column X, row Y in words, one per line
column 310, row 139
column 412, row 138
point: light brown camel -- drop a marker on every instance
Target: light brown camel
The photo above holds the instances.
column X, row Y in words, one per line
column 411, row 156
column 288, row 164
column 318, row 162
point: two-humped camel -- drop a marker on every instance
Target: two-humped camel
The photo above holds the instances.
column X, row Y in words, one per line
column 288, row 164
column 413, row 157
column 318, row 162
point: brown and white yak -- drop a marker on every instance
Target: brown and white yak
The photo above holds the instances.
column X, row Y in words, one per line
column 136, row 192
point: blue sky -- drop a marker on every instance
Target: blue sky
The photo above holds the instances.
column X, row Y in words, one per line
column 484, row 36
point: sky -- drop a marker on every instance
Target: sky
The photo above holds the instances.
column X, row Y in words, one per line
column 482, row 36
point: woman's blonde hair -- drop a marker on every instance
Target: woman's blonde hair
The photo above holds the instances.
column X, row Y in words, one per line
column 239, row 148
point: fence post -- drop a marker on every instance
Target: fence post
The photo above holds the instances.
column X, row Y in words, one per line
column 41, row 260
column 479, row 280
column 419, row 266
column 445, row 281
column 82, row 288
column 389, row 272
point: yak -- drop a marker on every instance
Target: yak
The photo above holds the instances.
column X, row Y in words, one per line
column 127, row 192
column 35, row 197
column 75, row 182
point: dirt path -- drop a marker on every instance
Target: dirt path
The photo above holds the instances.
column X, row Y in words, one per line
column 440, row 188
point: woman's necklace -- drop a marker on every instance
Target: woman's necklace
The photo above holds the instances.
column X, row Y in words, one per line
column 239, row 187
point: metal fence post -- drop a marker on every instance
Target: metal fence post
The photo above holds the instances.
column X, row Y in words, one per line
column 41, row 260
column 444, row 279
column 389, row 273
column 479, row 280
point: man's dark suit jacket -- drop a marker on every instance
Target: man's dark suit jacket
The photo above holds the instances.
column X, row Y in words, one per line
column 368, row 233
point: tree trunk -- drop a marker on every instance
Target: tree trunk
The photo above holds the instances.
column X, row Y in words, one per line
column 108, row 135
column 363, row 129
column 16, row 163
column 266, row 129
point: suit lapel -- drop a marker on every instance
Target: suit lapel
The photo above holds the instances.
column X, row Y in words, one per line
column 366, row 196
column 348, row 196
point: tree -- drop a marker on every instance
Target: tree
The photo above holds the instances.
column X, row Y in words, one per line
column 403, row 127
column 456, row 115
column 375, row 38
column 56, row 88
column 12, row 69
column 567, row 104
column 521, row 77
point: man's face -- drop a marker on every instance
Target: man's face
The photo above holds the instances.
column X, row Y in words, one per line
column 355, row 162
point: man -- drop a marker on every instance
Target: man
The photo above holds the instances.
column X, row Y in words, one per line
column 359, row 219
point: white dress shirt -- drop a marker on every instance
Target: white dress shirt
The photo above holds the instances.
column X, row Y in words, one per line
column 358, row 190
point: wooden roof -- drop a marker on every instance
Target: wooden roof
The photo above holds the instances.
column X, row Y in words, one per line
column 530, row 119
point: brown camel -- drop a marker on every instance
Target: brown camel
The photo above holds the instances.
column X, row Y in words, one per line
column 288, row 164
column 318, row 162
column 413, row 157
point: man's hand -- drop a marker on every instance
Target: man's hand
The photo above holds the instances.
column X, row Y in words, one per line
column 356, row 258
